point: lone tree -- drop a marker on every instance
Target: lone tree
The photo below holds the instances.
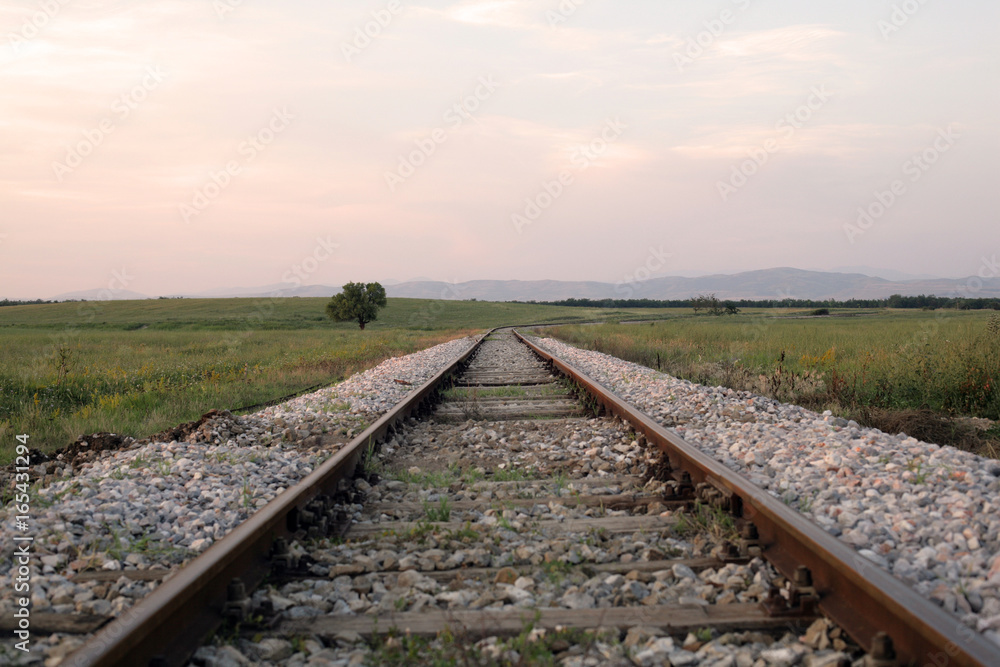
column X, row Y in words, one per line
column 708, row 302
column 357, row 301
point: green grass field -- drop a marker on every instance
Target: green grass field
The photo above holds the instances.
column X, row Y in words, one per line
column 139, row 367
column 887, row 369
column 237, row 315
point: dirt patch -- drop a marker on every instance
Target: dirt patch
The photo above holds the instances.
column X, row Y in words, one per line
column 86, row 446
column 202, row 425
column 970, row 435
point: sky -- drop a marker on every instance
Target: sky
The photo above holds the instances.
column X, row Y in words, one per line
column 178, row 146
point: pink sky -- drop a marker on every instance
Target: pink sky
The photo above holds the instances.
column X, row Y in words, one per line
column 198, row 144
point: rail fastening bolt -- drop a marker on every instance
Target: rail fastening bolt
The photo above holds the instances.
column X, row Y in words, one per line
column 882, row 648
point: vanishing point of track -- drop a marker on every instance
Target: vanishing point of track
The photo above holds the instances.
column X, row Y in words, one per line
column 819, row 575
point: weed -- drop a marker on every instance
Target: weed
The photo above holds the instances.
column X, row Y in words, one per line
column 595, row 536
column 464, row 534
column 512, row 474
column 556, row 570
column 246, row 494
column 138, row 462
column 420, row 531
column 459, row 393
column 370, row 462
column 439, row 514
column 916, row 466
column 806, row 504
column 471, row 407
column 531, row 646
column 62, row 361
column 473, row 475
column 431, row 479
column 399, row 649
column 706, row 519
column 72, row 489
column 560, row 481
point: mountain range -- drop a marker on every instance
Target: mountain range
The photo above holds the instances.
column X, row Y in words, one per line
column 763, row 284
column 779, row 283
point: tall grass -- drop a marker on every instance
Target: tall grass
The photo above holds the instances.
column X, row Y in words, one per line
column 945, row 362
column 140, row 382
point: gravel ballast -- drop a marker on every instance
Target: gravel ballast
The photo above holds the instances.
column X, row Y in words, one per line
column 929, row 515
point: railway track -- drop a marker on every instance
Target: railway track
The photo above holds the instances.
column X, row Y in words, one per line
column 512, row 506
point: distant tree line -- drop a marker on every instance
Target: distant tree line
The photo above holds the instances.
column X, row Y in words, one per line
column 15, row 302
column 709, row 302
column 925, row 301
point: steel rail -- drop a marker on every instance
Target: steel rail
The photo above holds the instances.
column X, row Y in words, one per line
column 855, row 593
column 170, row 623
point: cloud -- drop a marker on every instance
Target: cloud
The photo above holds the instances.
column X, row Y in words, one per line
column 518, row 14
column 850, row 140
column 795, row 43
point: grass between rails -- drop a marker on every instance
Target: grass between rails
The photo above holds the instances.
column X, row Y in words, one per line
column 448, row 649
column 899, row 371
column 138, row 367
